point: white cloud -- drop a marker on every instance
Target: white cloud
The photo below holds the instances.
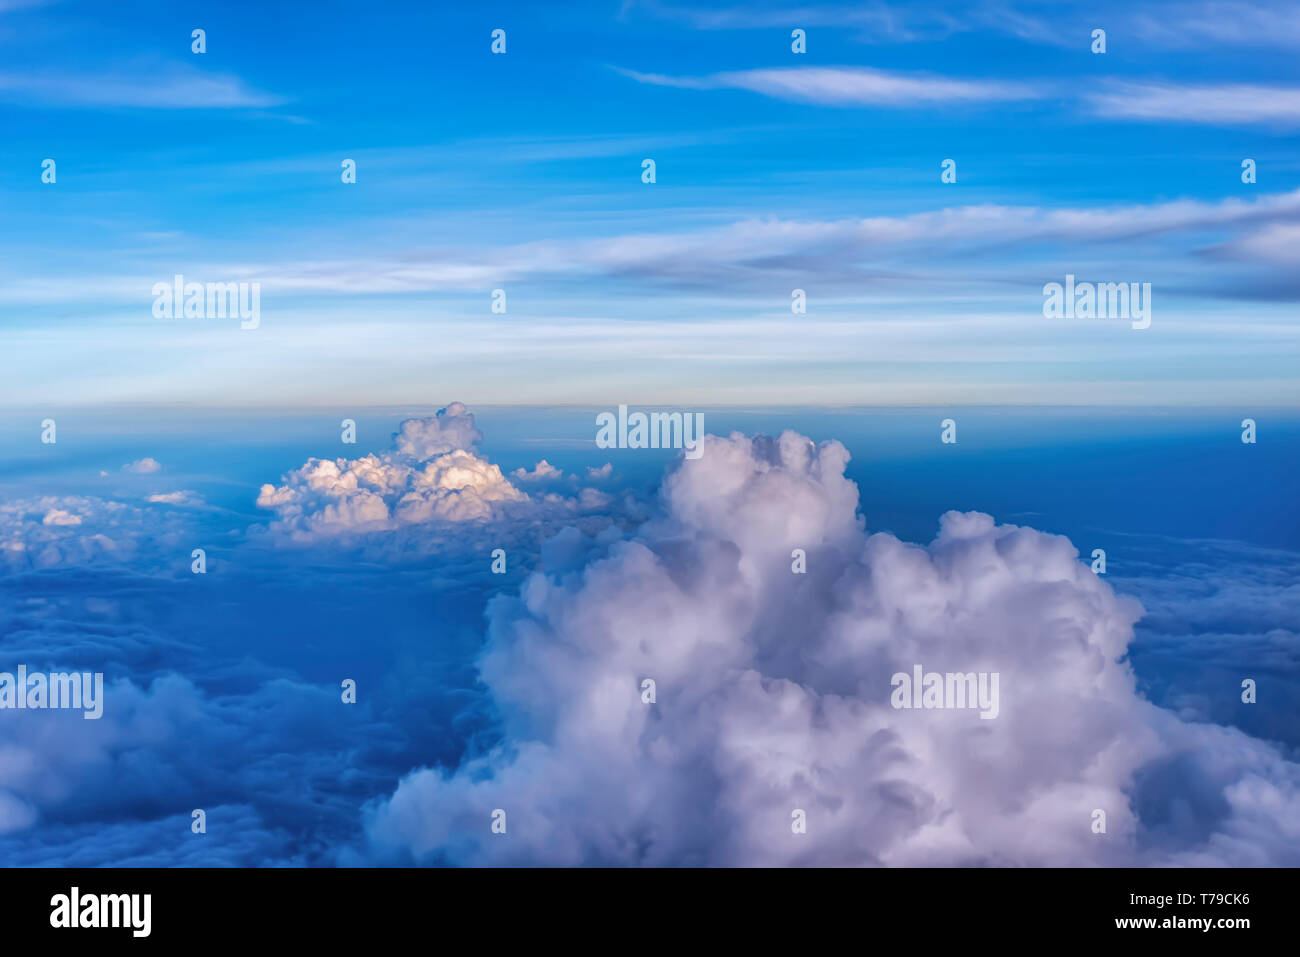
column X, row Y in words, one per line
column 336, row 496
column 773, row 693
column 57, row 516
column 1225, row 104
column 829, row 251
column 878, row 19
column 50, row 531
column 171, row 87
column 452, row 428
column 431, row 475
column 1221, row 104
column 1178, row 25
column 144, row 466
column 1277, row 244
column 182, row 497
column 428, row 496
column 851, row 86
column 895, row 253
column 543, row 471
column 1214, row 24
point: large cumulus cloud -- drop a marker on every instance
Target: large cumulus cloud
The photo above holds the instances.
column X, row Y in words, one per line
column 773, row 694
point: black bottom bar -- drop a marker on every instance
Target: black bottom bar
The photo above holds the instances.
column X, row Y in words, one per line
column 661, row 907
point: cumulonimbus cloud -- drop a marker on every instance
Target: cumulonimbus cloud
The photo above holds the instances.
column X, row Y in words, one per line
column 773, row 696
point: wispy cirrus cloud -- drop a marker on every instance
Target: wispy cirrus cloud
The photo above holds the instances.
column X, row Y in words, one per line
column 1177, row 25
column 877, row 21
column 850, row 86
column 1275, row 243
column 183, row 497
column 167, row 88
column 885, row 249
column 841, row 249
column 1224, row 104
column 1229, row 104
column 1184, row 25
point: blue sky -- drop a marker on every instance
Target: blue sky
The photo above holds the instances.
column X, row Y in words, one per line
column 775, row 171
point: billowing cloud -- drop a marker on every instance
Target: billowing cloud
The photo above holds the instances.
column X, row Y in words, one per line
column 160, row 749
column 773, row 695
column 543, row 471
column 335, row 496
column 450, row 430
column 144, row 466
column 432, row 475
column 57, row 516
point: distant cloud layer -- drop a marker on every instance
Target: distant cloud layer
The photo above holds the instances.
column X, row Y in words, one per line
column 773, row 694
column 52, row 531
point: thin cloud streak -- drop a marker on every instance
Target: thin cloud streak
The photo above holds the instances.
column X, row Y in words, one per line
column 172, row 89
column 1231, row 104
column 1176, row 25
column 849, row 86
column 881, row 248
column 1235, row 104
